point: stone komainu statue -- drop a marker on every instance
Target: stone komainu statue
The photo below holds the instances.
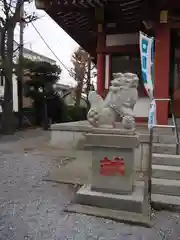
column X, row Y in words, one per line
column 120, row 101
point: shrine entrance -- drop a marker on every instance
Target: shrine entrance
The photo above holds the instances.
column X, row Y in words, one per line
column 129, row 63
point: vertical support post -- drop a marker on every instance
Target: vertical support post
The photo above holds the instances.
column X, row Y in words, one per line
column 150, row 169
column 107, row 73
column 88, row 76
column 101, row 42
column 107, row 80
column 110, row 69
column 150, row 163
column 162, row 70
column 21, row 72
column 100, row 74
column 46, row 120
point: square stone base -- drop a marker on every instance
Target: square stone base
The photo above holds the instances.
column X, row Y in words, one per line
column 132, row 203
column 117, row 183
column 113, row 159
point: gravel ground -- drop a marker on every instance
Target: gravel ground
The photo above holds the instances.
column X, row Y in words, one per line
column 31, row 209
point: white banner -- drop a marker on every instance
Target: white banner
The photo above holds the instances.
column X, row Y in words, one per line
column 152, row 114
column 146, row 52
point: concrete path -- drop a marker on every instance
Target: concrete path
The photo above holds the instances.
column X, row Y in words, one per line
column 31, row 209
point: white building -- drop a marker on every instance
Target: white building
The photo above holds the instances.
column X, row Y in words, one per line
column 63, row 89
column 34, row 56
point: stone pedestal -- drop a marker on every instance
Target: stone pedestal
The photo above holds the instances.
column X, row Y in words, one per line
column 113, row 185
column 112, row 162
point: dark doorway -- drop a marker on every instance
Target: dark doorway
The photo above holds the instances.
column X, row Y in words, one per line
column 174, row 79
column 129, row 63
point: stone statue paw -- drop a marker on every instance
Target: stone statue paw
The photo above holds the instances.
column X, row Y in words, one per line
column 93, row 117
column 128, row 122
column 107, row 117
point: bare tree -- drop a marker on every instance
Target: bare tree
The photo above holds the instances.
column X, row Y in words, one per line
column 81, row 72
column 11, row 10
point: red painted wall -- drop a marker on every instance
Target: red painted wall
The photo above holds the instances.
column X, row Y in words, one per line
column 162, row 71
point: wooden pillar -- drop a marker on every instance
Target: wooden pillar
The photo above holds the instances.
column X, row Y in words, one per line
column 101, row 61
column 100, row 74
column 107, row 72
column 162, row 69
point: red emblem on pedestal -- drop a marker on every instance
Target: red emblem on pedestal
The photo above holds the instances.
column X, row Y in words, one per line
column 112, row 167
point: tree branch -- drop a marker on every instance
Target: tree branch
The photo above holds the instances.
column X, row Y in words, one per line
column 29, row 18
column 2, row 22
column 16, row 49
column 6, row 8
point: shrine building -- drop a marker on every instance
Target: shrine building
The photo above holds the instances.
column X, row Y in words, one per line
column 109, row 31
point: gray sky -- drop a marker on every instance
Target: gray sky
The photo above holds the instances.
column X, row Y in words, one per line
column 60, row 42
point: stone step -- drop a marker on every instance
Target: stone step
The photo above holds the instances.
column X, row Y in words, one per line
column 131, row 203
column 158, row 138
column 166, row 172
column 164, row 148
column 166, row 159
column 164, row 131
column 167, row 139
column 166, row 187
column 165, row 201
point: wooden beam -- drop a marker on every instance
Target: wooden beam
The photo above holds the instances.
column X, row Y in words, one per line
column 173, row 4
column 74, row 3
column 122, row 30
column 119, row 49
column 175, row 25
column 99, row 15
column 66, row 9
column 84, row 38
column 167, row 4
